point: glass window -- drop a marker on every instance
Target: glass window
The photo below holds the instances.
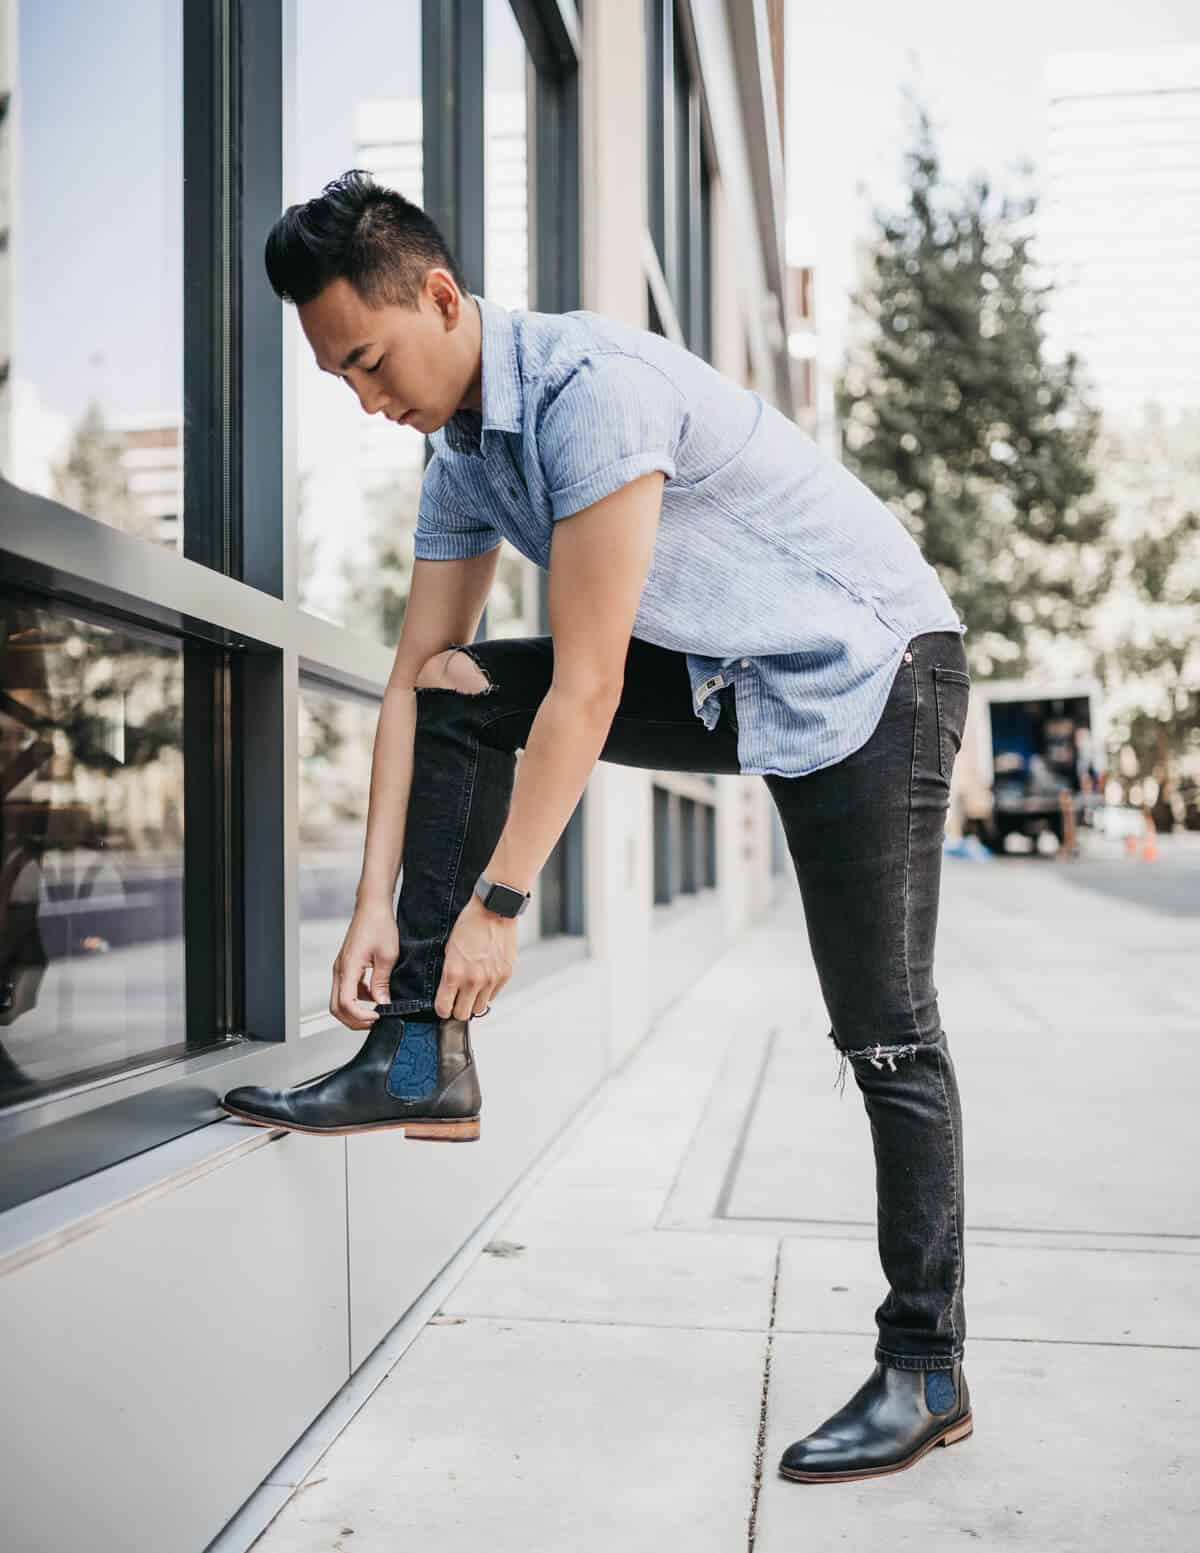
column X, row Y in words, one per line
column 680, row 280
column 336, row 737
column 655, row 137
column 357, row 103
column 91, row 305
column 512, row 608
column 662, row 845
column 687, row 841
column 506, row 159
column 91, row 831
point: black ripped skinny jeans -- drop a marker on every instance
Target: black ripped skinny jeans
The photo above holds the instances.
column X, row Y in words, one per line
column 865, row 838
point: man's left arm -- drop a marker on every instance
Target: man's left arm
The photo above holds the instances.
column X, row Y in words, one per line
column 600, row 557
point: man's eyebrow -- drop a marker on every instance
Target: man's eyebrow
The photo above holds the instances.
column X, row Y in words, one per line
column 352, row 357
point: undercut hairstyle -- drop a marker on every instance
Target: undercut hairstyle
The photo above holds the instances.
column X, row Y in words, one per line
column 373, row 237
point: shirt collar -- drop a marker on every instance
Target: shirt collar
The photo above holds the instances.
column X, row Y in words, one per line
column 503, row 397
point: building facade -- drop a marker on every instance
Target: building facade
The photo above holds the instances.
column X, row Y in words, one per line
column 1119, row 223
column 204, row 556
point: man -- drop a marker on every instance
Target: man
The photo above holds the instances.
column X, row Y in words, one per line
column 723, row 597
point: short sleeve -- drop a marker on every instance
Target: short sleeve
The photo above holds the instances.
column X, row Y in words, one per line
column 614, row 418
column 443, row 532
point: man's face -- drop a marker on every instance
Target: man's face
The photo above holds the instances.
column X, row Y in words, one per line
column 417, row 365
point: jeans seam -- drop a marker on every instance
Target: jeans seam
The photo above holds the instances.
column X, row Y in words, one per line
column 908, row 843
column 618, row 717
column 464, row 827
column 958, row 1256
column 909, row 1361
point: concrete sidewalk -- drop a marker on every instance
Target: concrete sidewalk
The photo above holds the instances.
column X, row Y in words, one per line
column 689, row 1284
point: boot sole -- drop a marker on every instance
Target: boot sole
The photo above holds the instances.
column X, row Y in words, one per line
column 430, row 1130
column 958, row 1430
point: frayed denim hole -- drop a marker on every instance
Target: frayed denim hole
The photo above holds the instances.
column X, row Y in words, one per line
column 489, row 684
column 457, row 690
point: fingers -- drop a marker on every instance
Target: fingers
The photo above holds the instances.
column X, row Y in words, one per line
column 351, row 998
column 466, row 999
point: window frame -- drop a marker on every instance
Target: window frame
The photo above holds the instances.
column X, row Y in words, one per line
column 232, row 594
column 677, row 245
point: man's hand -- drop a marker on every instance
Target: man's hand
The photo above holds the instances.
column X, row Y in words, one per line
column 372, row 944
column 480, row 955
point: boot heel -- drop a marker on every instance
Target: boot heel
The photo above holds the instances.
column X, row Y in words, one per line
column 464, row 1131
column 961, row 1430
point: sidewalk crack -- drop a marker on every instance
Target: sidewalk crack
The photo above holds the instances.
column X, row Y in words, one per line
column 761, row 1442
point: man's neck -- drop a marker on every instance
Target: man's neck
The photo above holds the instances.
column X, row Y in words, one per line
column 473, row 399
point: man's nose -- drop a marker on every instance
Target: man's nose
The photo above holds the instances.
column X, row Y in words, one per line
column 372, row 402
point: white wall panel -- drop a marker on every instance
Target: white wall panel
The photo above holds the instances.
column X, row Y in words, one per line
column 156, row 1368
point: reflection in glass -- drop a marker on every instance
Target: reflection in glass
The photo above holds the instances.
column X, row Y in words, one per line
column 680, row 280
column 358, row 478
column 91, row 277
column 91, row 849
column 337, row 735
column 512, row 608
column 506, row 159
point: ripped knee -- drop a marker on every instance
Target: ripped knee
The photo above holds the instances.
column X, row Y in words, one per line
column 455, row 669
column 880, row 1056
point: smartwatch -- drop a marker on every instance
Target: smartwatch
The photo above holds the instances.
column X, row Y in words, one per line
column 503, row 899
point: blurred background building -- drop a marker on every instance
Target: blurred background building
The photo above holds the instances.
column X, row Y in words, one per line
column 205, row 549
column 1120, row 220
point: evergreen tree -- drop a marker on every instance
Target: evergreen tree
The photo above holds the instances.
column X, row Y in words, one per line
column 91, row 477
column 954, row 415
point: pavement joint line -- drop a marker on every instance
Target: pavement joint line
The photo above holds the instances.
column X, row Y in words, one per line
column 768, row 1229
column 703, row 1162
column 452, row 1318
column 729, row 1179
column 986, row 1229
column 760, row 1444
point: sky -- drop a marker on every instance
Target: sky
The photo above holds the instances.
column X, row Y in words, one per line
column 979, row 73
column 98, row 230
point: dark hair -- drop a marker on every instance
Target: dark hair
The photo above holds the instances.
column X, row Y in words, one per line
column 371, row 235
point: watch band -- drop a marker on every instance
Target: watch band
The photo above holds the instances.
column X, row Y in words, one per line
column 503, row 899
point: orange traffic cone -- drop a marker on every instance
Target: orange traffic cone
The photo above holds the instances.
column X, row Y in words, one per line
column 1131, row 846
column 1150, row 842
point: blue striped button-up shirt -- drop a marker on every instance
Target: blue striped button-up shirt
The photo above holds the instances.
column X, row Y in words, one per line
column 775, row 569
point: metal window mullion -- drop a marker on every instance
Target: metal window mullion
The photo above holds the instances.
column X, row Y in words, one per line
column 259, row 405
column 670, row 151
column 210, row 73
column 695, row 322
column 452, row 92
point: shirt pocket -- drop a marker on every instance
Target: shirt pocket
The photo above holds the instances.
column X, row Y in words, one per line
column 951, row 694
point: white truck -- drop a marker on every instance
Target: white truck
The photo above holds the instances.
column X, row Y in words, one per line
column 1031, row 747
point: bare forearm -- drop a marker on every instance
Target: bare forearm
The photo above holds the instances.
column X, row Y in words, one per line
column 387, row 805
column 564, row 743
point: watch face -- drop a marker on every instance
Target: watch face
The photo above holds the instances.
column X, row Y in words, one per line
column 501, row 899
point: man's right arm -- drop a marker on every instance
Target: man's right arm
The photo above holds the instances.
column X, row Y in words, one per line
column 445, row 604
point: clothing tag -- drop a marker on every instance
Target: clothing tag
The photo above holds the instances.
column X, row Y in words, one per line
column 708, row 687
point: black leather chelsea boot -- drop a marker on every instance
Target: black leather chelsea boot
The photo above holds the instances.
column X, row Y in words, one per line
column 408, row 1074
column 893, row 1418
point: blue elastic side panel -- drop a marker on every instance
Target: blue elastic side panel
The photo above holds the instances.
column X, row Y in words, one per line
column 414, row 1070
column 939, row 1390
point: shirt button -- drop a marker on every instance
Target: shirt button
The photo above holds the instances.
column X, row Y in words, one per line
column 745, row 663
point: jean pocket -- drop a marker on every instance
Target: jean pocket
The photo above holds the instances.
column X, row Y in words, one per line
column 951, row 693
